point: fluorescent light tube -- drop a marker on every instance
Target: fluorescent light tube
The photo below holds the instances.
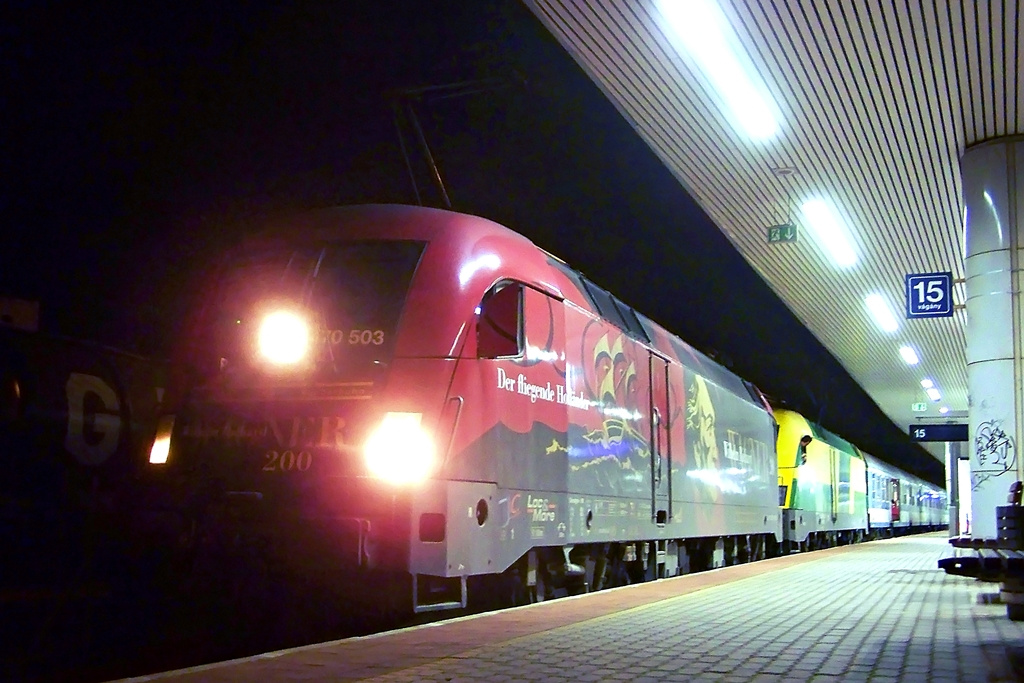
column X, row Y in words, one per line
column 707, row 37
column 909, row 355
column 825, row 224
column 884, row 318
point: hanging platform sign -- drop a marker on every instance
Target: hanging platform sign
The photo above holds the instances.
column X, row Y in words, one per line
column 930, row 295
column 938, row 432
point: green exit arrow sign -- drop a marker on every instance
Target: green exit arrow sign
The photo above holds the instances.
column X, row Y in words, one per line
column 782, row 233
column 919, row 407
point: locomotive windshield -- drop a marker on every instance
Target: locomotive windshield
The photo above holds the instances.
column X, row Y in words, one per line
column 329, row 311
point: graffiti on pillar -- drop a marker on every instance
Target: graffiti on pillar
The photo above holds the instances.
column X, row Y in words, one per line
column 995, row 452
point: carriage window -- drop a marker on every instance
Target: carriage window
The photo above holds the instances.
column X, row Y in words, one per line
column 499, row 330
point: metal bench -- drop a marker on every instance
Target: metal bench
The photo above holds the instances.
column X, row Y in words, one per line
column 999, row 559
column 985, row 563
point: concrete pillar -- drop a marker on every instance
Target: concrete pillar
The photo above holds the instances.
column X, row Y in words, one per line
column 952, row 487
column 992, row 241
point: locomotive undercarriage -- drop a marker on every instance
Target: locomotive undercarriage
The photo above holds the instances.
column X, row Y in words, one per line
column 554, row 572
column 818, row 540
column 238, row 550
column 262, row 579
column 321, row 564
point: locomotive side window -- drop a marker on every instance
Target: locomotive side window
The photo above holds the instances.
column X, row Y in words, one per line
column 605, row 304
column 629, row 316
column 499, row 330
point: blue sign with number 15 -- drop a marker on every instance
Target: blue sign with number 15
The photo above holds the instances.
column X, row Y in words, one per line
column 930, row 295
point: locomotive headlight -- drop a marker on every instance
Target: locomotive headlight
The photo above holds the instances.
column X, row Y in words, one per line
column 162, row 443
column 400, row 450
column 283, row 338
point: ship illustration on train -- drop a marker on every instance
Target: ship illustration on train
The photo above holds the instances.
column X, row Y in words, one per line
column 426, row 408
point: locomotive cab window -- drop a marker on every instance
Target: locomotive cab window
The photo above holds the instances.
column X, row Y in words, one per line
column 337, row 305
column 499, row 330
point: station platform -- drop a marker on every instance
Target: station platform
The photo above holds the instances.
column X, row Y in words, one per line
column 877, row 611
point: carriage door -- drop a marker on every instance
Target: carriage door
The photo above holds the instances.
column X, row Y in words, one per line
column 894, row 504
column 661, row 444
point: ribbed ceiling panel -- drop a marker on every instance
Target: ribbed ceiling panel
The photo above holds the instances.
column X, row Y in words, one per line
column 878, row 102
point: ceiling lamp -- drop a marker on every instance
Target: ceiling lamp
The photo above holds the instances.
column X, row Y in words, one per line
column 909, row 355
column 927, row 383
column 705, row 34
column 879, row 310
column 822, row 220
column 934, row 394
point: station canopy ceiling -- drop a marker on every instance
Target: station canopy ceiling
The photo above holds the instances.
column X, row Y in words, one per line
column 845, row 120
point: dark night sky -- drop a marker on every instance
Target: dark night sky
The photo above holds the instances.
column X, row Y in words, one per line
column 134, row 135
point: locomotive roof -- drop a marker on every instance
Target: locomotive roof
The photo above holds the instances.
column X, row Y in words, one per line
column 455, row 236
column 366, row 221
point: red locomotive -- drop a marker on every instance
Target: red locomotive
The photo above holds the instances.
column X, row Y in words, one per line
column 424, row 397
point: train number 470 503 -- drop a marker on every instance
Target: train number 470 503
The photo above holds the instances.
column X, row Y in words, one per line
column 355, row 337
